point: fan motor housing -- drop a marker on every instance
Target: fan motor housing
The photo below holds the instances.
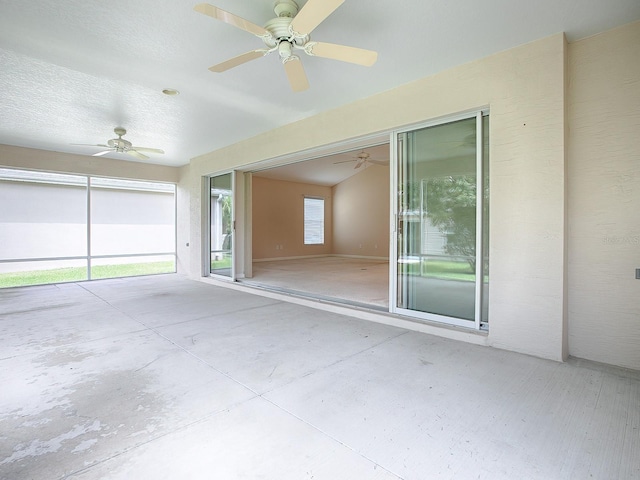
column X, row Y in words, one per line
column 279, row 29
column 119, row 144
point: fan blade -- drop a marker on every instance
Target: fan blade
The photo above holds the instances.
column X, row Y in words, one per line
column 378, row 162
column 139, row 156
column 145, row 149
column 311, row 15
column 295, row 73
column 344, row 161
column 231, row 19
column 355, row 55
column 90, row 145
column 239, row 60
column 359, row 164
column 99, row 154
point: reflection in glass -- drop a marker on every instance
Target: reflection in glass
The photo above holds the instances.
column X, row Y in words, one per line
column 437, row 220
column 221, row 221
column 484, row 319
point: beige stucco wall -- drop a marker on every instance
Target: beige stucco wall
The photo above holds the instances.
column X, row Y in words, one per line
column 278, row 219
column 361, row 214
column 524, row 88
column 604, row 197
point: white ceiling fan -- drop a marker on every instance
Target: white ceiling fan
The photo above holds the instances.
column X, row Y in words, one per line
column 288, row 32
column 362, row 159
column 120, row 145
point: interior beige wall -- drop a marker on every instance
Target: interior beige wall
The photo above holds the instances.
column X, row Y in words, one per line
column 604, row 197
column 361, row 214
column 278, row 219
column 524, row 88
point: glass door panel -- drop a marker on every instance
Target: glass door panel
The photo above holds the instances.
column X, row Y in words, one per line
column 436, row 212
column 221, row 224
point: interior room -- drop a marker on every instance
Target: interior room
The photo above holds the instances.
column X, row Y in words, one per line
column 351, row 262
column 319, row 239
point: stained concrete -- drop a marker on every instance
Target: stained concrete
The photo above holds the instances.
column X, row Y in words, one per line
column 163, row 377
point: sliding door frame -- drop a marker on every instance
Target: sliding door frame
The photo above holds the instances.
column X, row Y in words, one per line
column 396, row 146
column 206, row 221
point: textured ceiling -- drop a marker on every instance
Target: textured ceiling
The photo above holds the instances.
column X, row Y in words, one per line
column 72, row 71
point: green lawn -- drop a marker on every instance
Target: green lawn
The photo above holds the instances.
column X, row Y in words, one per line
column 449, row 270
column 75, row 274
column 432, row 268
column 218, row 264
column 443, row 269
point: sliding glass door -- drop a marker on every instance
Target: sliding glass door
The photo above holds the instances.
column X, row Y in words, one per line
column 221, row 221
column 441, row 220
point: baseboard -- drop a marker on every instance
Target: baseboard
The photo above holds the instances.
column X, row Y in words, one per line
column 302, row 257
column 361, row 257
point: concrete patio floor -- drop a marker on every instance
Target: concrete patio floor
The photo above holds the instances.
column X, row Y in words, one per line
column 167, row 378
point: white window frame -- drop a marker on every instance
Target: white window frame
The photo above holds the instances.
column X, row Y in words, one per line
column 307, row 233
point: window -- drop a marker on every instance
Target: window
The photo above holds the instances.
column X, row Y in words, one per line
column 67, row 228
column 313, row 221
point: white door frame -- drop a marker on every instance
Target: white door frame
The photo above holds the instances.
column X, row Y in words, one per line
column 396, row 146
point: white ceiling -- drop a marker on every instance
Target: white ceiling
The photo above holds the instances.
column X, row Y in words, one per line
column 73, row 70
column 329, row 170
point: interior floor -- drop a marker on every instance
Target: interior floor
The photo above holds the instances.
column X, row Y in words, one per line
column 167, row 378
column 357, row 281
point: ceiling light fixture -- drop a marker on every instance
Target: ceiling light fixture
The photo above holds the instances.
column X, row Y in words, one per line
column 170, row 91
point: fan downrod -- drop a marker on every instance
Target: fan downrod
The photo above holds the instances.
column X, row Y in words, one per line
column 286, row 8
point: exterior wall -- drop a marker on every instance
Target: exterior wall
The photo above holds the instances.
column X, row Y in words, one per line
column 45, row 220
column 524, row 88
column 604, row 197
column 41, row 220
column 278, row 219
column 128, row 222
column 361, row 214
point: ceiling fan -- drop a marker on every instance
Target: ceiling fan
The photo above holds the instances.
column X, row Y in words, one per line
column 287, row 32
column 120, row 145
column 361, row 159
